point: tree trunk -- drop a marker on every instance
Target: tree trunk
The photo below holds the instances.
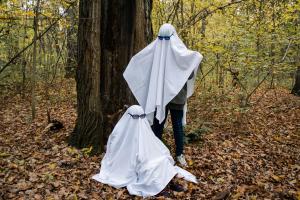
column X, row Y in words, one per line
column 33, row 67
column 24, row 61
column 272, row 53
column 110, row 32
column 296, row 88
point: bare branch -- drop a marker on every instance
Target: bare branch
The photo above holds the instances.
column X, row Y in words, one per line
column 32, row 42
column 206, row 12
column 265, row 78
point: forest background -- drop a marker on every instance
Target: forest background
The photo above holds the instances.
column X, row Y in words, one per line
column 251, row 65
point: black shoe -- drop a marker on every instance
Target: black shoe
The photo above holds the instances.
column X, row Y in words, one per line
column 164, row 193
column 176, row 187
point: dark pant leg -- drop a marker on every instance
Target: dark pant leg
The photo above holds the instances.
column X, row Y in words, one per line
column 176, row 116
column 158, row 128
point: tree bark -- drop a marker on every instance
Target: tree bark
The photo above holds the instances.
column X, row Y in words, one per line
column 33, row 67
column 24, row 61
column 296, row 88
column 110, row 33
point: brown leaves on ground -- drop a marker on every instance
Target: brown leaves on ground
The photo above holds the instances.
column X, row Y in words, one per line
column 246, row 153
column 251, row 153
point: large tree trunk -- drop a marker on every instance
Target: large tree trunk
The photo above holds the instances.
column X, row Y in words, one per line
column 110, row 32
column 296, row 88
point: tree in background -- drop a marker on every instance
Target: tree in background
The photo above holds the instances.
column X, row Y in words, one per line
column 33, row 51
column 110, row 32
column 296, row 88
column 71, row 65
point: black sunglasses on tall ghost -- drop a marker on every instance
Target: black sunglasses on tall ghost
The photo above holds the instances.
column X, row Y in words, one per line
column 142, row 116
column 164, row 37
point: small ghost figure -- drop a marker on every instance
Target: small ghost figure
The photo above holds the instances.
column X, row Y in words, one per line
column 137, row 159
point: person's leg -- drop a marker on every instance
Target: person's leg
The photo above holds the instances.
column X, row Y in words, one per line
column 158, row 128
column 176, row 116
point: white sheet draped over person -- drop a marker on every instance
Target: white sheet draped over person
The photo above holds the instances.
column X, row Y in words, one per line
column 157, row 73
column 161, row 77
column 137, row 159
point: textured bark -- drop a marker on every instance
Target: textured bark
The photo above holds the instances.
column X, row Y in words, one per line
column 125, row 31
column 110, row 32
column 88, row 127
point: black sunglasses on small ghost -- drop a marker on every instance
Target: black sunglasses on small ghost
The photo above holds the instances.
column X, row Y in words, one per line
column 142, row 116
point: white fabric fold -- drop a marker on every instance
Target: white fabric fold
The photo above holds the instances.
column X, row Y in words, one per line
column 137, row 159
column 157, row 73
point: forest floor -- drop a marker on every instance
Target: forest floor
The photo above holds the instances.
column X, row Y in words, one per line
column 240, row 153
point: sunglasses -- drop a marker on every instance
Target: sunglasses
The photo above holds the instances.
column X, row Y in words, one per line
column 142, row 116
column 164, row 37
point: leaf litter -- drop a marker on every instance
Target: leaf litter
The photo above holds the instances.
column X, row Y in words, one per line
column 239, row 153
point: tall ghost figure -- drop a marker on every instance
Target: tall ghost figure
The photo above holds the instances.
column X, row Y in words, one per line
column 162, row 77
column 157, row 73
